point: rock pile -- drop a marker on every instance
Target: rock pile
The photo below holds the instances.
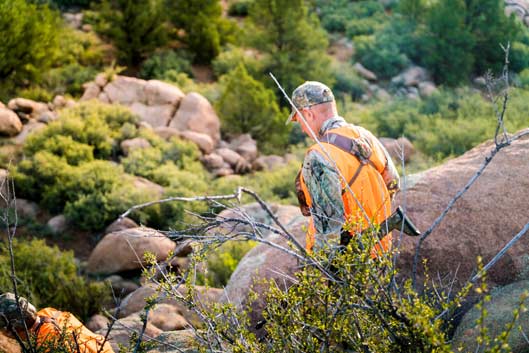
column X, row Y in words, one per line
column 414, row 82
column 519, row 8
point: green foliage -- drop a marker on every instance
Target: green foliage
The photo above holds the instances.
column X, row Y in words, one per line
column 201, row 20
column 65, row 4
column 523, row 79
column 49, row 277
column 519, row 56
column 247, row 106
column 157, row 66
column 347, row 82
column 292, row 40
column 360, row 17
column 136, row 28
column 239, row 8
column 36, row 93
column 229, row 59
column 29, row 40
column 381, row 54
column 223, row 261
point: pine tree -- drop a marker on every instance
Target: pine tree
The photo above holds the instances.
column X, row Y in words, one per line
column 247, row 106
column 201, row 21
column 137, row 28
column 293, row 41
column 449, row 42
column 28, row 39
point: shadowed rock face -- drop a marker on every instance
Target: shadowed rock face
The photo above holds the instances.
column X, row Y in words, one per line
column 492, row 211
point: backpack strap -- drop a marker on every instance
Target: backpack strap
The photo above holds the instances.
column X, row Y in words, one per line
column 357, row 147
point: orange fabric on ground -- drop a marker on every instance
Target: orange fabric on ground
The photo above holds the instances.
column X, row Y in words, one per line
column 369, row 188
column 88, row 341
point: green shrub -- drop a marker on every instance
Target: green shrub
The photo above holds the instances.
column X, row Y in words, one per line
column 229, row 59
column 347, row 81
column 239, row 8
column 68, row 79
column 381, row 54
column 523, row 78
column 158, row 64
column 246, row 106
column 29, row 40
column 36, row 93
column 222, row 261
column 49, row 277
column 342, row 15
column 519, row 56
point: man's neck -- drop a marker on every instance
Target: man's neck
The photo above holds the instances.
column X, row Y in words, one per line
column 331, row 123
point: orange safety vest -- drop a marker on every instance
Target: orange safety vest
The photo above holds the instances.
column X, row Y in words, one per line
column 365, row 180
column 54, row 321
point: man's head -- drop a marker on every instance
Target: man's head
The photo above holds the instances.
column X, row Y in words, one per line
column 9, row 315
column 315, row 102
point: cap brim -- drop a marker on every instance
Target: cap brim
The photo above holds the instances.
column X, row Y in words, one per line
column 290, row 117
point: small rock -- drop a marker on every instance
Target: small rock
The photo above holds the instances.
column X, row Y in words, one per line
column 91, row 91
column 121, row 224
column 167, row 318
column 47, row 117
column 412, row 76
column 365, row 73
column 58, row 224
column 29, row 128
column 166, row 132
column 59, row 102
column 120, row 333
column 97, row 322
column 383, row 95
column 133, row 144
column 203, row 141
column 427, row 88
column 213, row 161
column 120, row 286
column 10, row 123
column 268, row 162
column 101, row 79
column 223, row 172
column 246, row 146
column 231, row 157
column 87, row 28
column 480, row 81
column 27, row 209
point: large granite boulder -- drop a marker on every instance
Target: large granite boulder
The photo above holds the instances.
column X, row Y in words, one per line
column 9, row 345
column 246, row 146
column 122, row 329
column 125, row 90
column 123, row 250
column 161, row 93
column 266, row 263
column 156, row 116
column 196, row 114
column 203, row 141
column 10, row 124
column 500, row 309
column 492, row 211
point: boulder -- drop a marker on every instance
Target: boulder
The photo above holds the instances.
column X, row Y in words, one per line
column 383, row 95
column 166, row 132
column 121, row 224
column 29, row 128
column 27, row 209
column 213, row 161
column 58, row 224
column 427, row 88
column 269, row 162
column 103, row 98
column 203, row 141
column 10, row 124
column 161, row 93
column 263, row 263
column 223, row 171
column 73, row 20
column 196, row 113
column 97, row 322
column 101, row 79
column 229, row 156
column 156, row 116
column 286, row 215
column 183, row 341
column 480, row 223
column 133, row 144
column 8, row 344
column 59, row 102
column 27, row 106
column 47, row 117
column 122, row 328
column 125, row 90
column 365, row 73
column 135, row 301
column 412, row 76
column 398, row 148
column 167, row 318
column 123, row 250
column 121, row 286
column 500, row 309
column 246, row 146
column 91, row 91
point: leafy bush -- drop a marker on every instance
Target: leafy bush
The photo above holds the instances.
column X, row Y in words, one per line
column 246, row 106
column 49, row 277
column 160, row 63
column 136, row 28
column 347, row 81
column 381, row 54
column 239, row 8
column 338, row 16
column 523, row 79
column 229, row 59
column 36, row 93
column 29, row 41
column 519, row 56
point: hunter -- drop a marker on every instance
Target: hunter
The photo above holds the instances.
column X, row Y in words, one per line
column 50, row 329
column 347, row 180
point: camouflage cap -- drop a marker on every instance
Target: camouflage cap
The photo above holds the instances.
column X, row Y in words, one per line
column 9, row 315
column 308, row 94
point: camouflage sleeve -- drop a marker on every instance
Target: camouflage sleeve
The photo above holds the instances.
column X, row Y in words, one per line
column 390, row 174
column 324, row 185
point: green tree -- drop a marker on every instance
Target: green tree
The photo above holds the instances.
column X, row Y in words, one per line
column 201, row 20
column 449, row 42
column 28, row 40
column 412, row 9
column 293, row 41
column 247, row 106
column 137, row 28
column 489, row 26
